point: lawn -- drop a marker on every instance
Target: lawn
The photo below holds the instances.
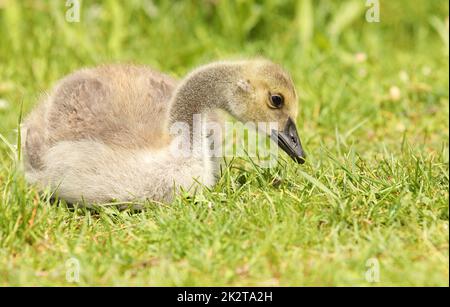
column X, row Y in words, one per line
column 370, row 206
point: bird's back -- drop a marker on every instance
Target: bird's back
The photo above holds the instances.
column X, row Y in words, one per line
column 122, row 106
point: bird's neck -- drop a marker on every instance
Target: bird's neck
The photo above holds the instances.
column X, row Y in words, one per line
column 202, row 91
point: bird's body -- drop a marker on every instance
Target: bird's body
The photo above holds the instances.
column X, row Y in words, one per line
column 103, row 134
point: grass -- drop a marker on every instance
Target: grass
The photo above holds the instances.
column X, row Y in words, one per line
column 374, row 119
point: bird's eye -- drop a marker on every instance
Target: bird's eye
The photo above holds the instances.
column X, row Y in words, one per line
column 276, row 100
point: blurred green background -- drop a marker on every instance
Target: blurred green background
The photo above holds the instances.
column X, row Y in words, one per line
column 319, row 42
column 373, row 119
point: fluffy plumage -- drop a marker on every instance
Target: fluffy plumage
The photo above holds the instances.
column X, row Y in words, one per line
column 102, row 134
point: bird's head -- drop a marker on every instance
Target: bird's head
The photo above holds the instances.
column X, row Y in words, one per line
column 264, row 92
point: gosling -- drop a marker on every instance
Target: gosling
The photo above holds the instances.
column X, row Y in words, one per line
column 103, row 134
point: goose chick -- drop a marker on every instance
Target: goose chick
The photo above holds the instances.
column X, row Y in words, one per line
column 103, row 134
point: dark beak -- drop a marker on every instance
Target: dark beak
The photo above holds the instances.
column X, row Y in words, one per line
column 289, row 141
